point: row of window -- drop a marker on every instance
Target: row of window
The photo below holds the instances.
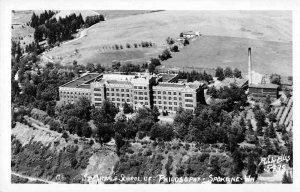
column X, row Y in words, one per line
column 75, row 93
column 139, row 87
column 164, row 97
column 117, row 94
column 141, row 102
column 117, row 90
column 141, row 98
column 167, row 108
column 118, row 99
column 67, row 96
column 167, row 103
column 164, row 93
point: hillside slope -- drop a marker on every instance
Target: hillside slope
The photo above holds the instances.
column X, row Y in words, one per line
column 155, row 27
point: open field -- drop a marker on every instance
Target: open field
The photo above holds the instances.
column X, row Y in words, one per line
column 214, row 51
column 261, row 27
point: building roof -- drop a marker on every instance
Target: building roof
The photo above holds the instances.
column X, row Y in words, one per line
column 265, row 86
column 284, row 80
column 237, row 81
column 167, row 77
column 81, row 81
column 119, row 82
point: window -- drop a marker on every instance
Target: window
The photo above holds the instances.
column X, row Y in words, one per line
column 140, row 87
column 86, row 93
column 159, row 102
column 145, row 87
column 179, row 93
column 97, row 99
column 188, row 100
column 145, row 93
column 165, row 102
column 127, row 90
column 140, row 93
column 189, row 105
column 175, row 98
column 122, row 95
column 160, row 107
column 170, row 103
column 112, row 94
column 154, row 97
column 127, row 95
column 169, row 93
column 97, row 94
column 175, row 108
column 135, row 98
column 164, row 92
column 113, row 99
column 164, row 97
column 174, row 93
column 112, row 89
column 175, row 103
column 97, row 104
column 170, row 98
column 188, row 95
column 154, row 92
column 118, row 99
column 107, row 89
column 135, row 87
column 159, row 92
column 154, row 102
column 122, row 90
column 165, row 108
column 180, row 99
column 123, row 100
column 107, row 94
column 170, row 108
column 118, row 94
column 146, row 103
column 141, row 98
column 128, row 100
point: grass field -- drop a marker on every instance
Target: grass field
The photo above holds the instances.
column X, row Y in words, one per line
column 213, row 51
column 259, row 26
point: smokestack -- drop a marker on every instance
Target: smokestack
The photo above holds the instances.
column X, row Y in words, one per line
column 249, row 66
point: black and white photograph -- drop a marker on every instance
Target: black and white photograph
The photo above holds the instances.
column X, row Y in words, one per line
column 170, row 96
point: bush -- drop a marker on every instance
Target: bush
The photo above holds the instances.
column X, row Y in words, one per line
column 65, row 135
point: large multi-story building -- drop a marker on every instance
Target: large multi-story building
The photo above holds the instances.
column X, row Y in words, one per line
column 133, row 89
column 141, row 89
column 171, row 96
column 76, row 88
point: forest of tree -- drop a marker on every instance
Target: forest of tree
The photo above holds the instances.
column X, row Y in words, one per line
column 55, row 31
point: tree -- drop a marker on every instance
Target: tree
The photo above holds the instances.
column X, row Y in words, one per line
column 237, row 73
column 155, row 113
column 174, row 48
column 275, row 78
column 99, row 68
column 54, row 125
column 119, row 142
column 228, row 72
column 238, row 164
column 86, row 130
column 90, row 67
column 165, row 55
column 186, row 42
column 127, row 108
column 287, row 178
column 260, row 121
column 104, row 133
column 170, row 41
column 120, row 117
column 155, row 61
column 220, row 74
